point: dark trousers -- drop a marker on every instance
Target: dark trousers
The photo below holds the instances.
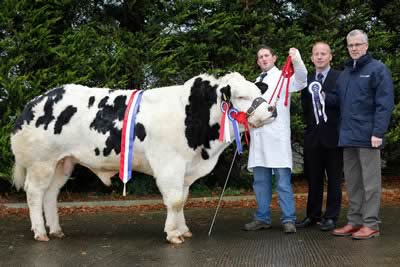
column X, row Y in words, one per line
column 317, row 162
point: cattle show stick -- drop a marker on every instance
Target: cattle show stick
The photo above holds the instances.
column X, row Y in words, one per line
column 222, row 194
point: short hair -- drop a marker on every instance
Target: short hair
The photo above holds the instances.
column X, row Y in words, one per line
column 263, row 46
column 321, row 42
column 358, row 32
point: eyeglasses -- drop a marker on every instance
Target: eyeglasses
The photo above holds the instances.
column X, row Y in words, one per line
column 357, row 45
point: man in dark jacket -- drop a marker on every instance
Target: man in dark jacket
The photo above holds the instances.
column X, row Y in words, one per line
column 321, row 153
column 364, row 92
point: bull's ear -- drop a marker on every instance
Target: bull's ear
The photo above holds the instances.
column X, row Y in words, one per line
column 262, row 86
column 226, row 93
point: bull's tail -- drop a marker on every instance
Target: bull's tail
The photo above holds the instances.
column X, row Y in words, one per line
column 19, row 175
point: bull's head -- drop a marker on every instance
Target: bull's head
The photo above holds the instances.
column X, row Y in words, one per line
column 246, row 97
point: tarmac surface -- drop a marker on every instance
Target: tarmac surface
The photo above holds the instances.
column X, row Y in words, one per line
column 137, row 239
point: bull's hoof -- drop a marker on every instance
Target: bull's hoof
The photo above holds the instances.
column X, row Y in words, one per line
column 175, row 240
column 43, row 238
column 188, row 234
column 58, row 234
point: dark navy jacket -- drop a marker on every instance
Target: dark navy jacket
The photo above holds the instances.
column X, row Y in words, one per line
column 364, row 92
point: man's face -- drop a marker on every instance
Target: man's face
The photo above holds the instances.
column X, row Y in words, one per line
column 321, row 56
column 265, row 60
column 357, row 46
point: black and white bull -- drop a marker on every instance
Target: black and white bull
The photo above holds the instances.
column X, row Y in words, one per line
column 176, row 141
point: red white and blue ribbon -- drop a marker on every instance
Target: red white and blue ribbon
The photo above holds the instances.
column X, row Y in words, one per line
column 231, row 114
column 128, row 137
column 236, row 117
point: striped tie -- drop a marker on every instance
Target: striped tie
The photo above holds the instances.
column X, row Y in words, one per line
column 320, row 77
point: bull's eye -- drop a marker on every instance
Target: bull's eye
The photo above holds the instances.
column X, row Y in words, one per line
column 243, row 98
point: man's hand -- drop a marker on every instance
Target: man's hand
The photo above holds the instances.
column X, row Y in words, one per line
column 376, row 141
column 295, row 55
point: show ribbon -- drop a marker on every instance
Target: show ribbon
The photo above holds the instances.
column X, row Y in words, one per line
column 315, row 89
column 236, row 118
column 235, row 126
column 241, row 118
column 224, row 134
column 128, row 137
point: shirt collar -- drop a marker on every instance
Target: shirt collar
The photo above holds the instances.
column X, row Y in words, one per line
column 324, row 72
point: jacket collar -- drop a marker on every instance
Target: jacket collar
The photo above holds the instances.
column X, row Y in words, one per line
column 359, row 63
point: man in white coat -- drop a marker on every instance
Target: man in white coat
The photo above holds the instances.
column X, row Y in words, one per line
column 270, row 146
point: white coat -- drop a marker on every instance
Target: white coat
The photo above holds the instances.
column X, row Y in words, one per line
column 270, row 145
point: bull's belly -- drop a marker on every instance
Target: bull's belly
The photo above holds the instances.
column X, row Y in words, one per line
column 112, row 163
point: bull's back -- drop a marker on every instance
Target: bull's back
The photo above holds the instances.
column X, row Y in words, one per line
column 71, row 119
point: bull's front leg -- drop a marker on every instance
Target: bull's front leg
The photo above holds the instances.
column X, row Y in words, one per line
column 183, row 228
column 175, row 226
column 171, row 183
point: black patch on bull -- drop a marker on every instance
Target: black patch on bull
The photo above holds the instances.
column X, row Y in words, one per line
column 198, row 132
column 204, row 154
column 64, row 118
column 262, row 86
column 97, row 151
column 53, row 96
column 226, row 93
column 91, row 101
column 140, row 131
column 104, row 122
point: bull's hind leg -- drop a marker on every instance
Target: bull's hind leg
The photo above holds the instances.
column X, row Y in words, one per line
column 63, row 172
column 39, row 177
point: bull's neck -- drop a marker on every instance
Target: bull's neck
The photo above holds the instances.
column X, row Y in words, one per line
column 216, row 113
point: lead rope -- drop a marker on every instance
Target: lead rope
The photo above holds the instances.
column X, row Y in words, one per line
column 286, row 72
column 223, row 190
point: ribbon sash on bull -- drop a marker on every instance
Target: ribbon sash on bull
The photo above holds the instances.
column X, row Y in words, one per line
column 128, row 137
column 318, row 101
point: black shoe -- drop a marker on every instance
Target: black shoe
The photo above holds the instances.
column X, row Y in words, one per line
column 327, row 225
column 306, row 222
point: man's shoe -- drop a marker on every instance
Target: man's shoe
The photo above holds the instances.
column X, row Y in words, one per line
column 306, row 222
column 289, row 228
column 256, row 225
column 327, row 225
column 346, row 230
column 365, row 233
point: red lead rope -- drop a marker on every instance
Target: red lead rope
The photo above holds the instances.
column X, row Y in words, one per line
column 287, row 72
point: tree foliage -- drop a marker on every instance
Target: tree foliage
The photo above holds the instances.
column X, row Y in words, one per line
column 131, row 44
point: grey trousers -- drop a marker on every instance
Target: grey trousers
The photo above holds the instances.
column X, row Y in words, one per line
column 362, row 172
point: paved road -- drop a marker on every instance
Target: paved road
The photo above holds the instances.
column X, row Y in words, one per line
column 137, row 239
